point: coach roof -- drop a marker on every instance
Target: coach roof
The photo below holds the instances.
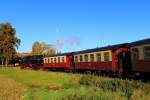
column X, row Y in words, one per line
column 140, row 42
column 60, row 54
column 110, row 47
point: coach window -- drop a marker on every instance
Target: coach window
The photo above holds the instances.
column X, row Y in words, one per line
column 92, row 57
column 51, row 60
column 147, row 52
column 135, row 53
column 63, row 60
column 106, row 56
column 54, row 60
column 48, row 60
column 76, row 58
column 98, row 57
column 58, row 59
column 45, row 60
column 81, row 59
column 86, row 58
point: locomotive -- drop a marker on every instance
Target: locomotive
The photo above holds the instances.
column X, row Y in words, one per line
column 125, row 59
column 32, row 62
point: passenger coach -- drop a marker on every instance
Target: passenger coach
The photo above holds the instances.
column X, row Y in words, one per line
column 58, row 61
column 115, row 58
column 140, row 51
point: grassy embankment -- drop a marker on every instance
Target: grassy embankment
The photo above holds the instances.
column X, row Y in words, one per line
column 32, row 85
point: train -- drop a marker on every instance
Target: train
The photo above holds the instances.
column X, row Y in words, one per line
column 120, row 59
column 31, row 62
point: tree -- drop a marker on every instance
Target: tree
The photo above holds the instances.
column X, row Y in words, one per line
column 37, row 48
column 9, row 42
column 42, row 48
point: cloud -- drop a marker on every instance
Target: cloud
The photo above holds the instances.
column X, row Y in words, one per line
column 59, row 43
column 71, row 41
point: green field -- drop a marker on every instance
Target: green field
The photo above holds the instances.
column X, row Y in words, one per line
column 16, row 84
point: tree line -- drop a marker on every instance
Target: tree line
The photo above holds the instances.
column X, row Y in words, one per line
column 42, row 48
column 9, row 42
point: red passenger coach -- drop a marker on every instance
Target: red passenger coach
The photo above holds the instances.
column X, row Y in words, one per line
column 140, row 51
column 58, row 61
column 115, row 58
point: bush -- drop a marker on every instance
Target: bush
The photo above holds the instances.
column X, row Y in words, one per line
column 86, row 80
column 114, row 85
column 84, row 97
column 71, row 85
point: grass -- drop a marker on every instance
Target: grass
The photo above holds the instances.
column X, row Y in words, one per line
column 18, row 84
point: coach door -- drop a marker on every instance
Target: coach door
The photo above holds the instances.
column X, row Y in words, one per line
column 72, row 63
column 124, row 62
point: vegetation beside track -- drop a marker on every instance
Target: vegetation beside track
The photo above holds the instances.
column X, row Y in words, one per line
column 34, row 85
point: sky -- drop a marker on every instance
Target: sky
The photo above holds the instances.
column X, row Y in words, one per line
column 72, row 25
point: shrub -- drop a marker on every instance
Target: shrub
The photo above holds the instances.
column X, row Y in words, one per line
column 86, row 80
column 84, row 97
column 114, row 85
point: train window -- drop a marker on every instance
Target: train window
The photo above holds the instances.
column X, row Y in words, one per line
column 98, row 57
column 48, row 60
column 45, row 60
column 81, row 59
column 58, row 59
column 86, row 58
column 147, row 52
column 51, row 60
column 63, row 60
column 106, row 56
column 92, row 57
column 54, row 60
column 135, row 53
column 76, row 58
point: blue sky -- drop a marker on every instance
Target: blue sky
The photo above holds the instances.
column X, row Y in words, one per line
column 77, row 24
